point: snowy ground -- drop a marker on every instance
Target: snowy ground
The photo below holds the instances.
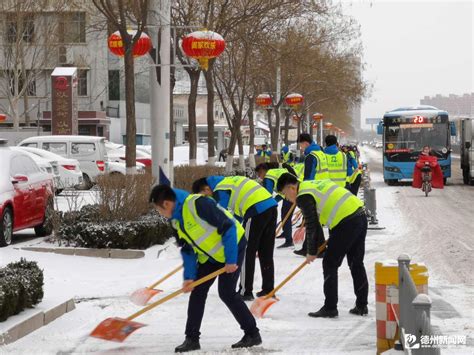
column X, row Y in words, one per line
column 101, row 287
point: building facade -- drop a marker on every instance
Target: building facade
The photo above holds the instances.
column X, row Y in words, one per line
column 456, row 105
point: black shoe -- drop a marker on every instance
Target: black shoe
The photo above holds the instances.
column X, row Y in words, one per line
column 188, row 345
column 285, row 245
column 300, row 252
column 247, row 297
column 280, row 236
column 324, row 313
column 359, row 311
column 248, row 341
column 262, row 293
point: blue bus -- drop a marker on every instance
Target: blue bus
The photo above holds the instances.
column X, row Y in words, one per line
column 405, row 131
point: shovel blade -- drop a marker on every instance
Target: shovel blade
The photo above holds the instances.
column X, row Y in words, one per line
column 115, row 329
column 298, row 237
column 142, row 296
column 261, row 305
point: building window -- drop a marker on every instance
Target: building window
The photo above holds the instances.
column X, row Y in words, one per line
column 82, row 82
column 19, row 89
column 20, row 29
column 72, row 28
column 114, row 84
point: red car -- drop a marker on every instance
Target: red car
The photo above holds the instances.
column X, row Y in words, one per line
column 26, row 196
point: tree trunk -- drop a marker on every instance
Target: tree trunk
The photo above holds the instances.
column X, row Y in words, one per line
column 25, row 88
column 208, row 74
column 276, row 131
column 251, row 133
column 192, row 131
column 131, row 125
column 229, row 164
column 241, row 149
column 287, row 126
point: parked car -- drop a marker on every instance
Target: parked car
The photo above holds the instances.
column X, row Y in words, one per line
column 70, row 174
column 88, row 150
column 116, row 152
column 117, row 167
column 378, row 145
column 26, row 196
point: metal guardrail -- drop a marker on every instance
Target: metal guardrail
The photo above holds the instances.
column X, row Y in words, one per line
column 369, row 196
column 414, row 322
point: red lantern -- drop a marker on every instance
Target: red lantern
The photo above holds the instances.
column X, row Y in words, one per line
column 264, row 100
column 3, row 117
column 203, row 45
column 294, row 100
column 142, row 45
column 317, row 116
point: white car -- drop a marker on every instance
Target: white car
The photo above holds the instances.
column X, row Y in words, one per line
column 116, row 153
column 116, row 167
column 70, row 175
column 378, row 145
column 48, row 166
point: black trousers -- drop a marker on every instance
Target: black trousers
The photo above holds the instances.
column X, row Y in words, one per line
column 347, row 238
column 288, row 227
column 227, row 292
column 260, row 232
column 354, row 187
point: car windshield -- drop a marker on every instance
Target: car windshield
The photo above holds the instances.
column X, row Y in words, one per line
column 412, row 137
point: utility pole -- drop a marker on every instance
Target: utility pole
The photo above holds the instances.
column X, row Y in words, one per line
column 160, row 90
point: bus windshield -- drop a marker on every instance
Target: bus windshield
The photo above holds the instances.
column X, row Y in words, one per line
column 412, row 137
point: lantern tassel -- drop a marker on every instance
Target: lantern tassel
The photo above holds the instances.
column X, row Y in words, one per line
column 204, row 63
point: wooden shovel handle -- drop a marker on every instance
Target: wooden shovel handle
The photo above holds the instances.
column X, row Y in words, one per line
column 294, row 272
column 167, row 276
column 177, row 293
column 285, row 219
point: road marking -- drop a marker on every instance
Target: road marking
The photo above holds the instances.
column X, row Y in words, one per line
column 465, row 245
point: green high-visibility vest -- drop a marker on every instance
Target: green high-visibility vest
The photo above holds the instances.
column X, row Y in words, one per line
column 337, row 165
column 299, row 170
column 286, row 157
column 333, row 203
column 355, row 173
column 274, row 175
column 322, row 171
column 202, row 236
column 244, row 193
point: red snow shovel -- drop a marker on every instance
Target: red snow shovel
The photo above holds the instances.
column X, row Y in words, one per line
column 298, row 237
column 261, row 305
column 142, row 296
column 118, row 329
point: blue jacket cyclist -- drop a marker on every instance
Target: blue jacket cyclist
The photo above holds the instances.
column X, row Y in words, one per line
column 211, row 239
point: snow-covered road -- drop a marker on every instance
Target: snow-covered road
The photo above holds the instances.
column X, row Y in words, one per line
column 436, row 230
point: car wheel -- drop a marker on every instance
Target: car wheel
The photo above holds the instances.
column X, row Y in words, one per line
column 86, row 183
column 46, row 228
column 6, row 227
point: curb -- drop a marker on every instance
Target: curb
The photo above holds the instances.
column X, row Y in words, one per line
column 90, row 252
column 35, row 322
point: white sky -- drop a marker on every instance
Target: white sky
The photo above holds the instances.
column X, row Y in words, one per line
column 413, row 49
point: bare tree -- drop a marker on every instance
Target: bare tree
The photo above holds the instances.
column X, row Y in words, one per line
column 122, row 14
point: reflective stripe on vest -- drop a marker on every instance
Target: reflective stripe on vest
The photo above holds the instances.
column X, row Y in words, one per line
column 274, row 175
column 202, row 236
column 286, row 157
column 333, row 202
column 322, row 171
column 244, row 193
column 337, row 165
column 351, row 178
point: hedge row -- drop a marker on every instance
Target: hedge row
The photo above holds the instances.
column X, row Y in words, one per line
column 21, row 286
column 83, row 229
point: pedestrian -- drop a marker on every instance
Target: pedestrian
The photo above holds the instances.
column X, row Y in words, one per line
column 257, row 210
column 354, row 174
column 269, row 173
column 325, row 202
column 264, row 152
column 338, row 165
column 211, row 239
column 286, row 156
column 315, row 167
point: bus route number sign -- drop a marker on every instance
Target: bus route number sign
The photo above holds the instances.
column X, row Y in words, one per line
column 419, row 119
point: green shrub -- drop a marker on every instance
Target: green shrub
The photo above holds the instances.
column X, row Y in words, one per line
column 84, row 229
column 21, row 286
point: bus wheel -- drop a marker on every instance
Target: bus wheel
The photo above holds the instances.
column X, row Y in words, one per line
column 391, row 182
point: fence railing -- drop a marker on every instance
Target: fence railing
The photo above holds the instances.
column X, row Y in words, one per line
column 369, row 196
column 414, row 322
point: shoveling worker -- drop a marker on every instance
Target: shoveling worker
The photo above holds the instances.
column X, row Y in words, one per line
column 354, row 174
column 337, row 161
column 211, row 238
column 286, row 155
column 269, row 173
column 325, row 202
column 315, row 167
column 256, row 207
